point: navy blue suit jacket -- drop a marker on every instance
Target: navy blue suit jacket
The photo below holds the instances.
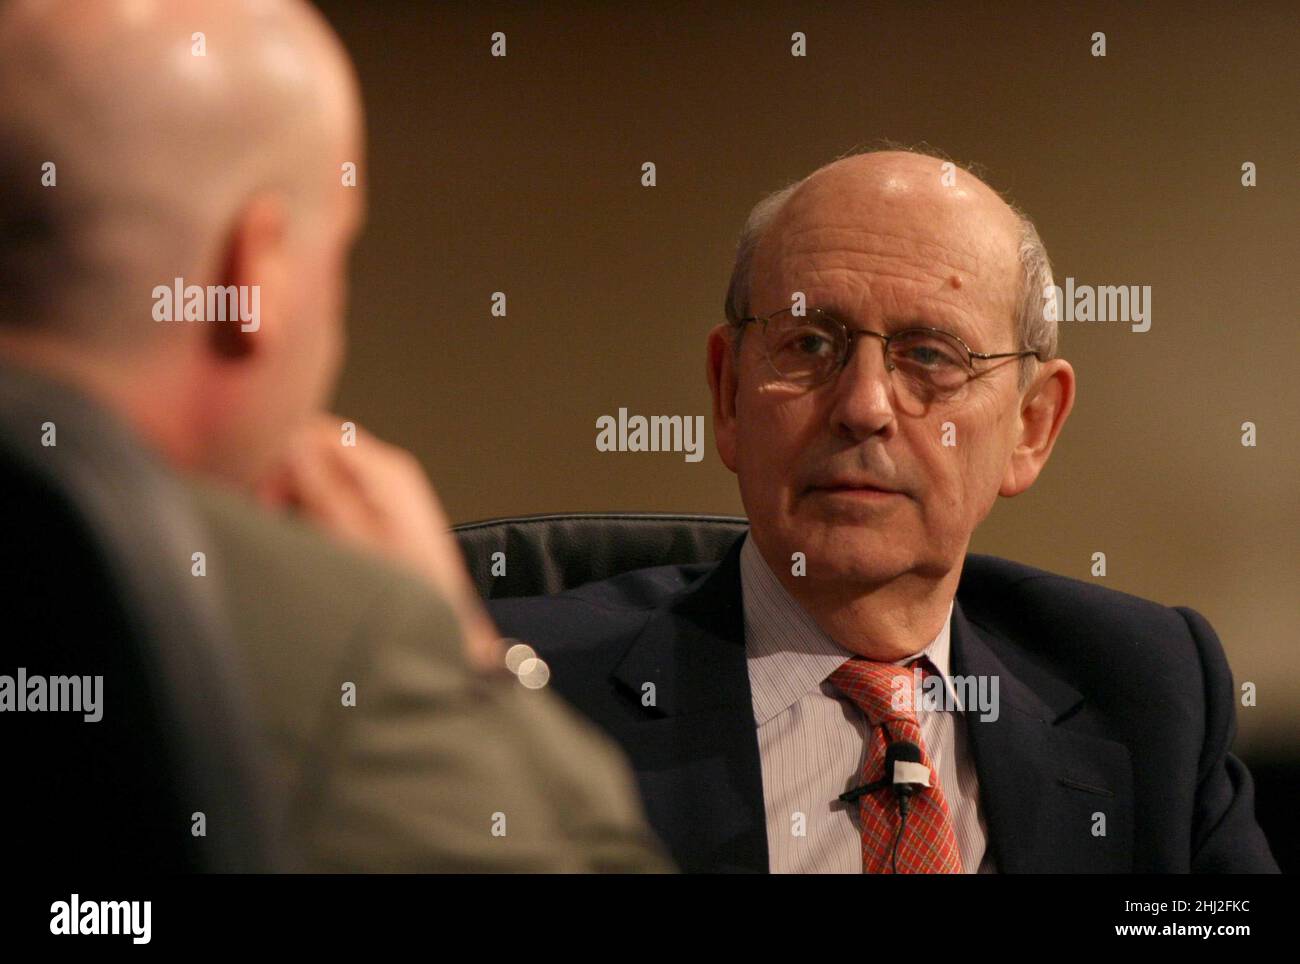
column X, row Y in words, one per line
column 1108, row 704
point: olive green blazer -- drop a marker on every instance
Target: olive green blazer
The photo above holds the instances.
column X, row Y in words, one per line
column 387, row 750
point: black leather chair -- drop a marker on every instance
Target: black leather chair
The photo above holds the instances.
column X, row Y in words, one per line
column 95, row 581
column 551, row 553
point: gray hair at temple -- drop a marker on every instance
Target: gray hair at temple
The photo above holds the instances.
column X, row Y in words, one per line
column 1033, row 330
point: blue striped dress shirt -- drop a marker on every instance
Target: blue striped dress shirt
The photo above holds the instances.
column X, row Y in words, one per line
column 812, row 741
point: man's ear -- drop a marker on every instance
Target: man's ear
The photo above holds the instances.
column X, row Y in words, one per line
column 254, row 256
column 1043, row 410
column 721, row 364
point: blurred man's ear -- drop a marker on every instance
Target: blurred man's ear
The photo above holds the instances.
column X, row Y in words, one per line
column 1043, row 411
column 255, row 256
column 722, row 384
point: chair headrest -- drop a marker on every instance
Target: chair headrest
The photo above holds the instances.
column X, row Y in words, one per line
column 541, row 554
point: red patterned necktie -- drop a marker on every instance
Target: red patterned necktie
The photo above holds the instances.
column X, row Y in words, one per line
column 928, row 844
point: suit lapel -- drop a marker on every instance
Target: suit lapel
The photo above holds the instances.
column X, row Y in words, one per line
column 1042, row 785
column 695, row 749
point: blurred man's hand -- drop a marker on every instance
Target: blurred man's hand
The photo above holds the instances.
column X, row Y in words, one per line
column 377, row 498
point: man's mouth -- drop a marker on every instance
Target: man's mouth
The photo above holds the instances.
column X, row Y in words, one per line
column 861, row 490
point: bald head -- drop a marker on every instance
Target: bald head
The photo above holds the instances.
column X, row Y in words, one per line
column 161, row 118
column 906, row 195
column 904, row 206
column 146, row 141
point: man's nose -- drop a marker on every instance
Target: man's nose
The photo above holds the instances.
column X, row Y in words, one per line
column 863, row 392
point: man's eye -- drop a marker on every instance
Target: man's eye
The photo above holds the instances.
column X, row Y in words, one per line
column 929, row 357
column 809, row 343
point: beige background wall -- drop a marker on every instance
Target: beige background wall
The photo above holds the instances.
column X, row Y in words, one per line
column 522, row 175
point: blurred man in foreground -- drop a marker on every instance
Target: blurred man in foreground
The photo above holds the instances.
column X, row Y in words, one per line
column 174, row 232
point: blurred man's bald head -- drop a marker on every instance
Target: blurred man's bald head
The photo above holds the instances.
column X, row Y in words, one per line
column 155, row 146
column 204, row 140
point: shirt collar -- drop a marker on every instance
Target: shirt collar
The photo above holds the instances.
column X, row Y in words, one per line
column 788, row 654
